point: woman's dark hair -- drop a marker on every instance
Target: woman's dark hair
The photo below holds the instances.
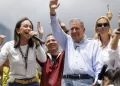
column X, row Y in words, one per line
column 109, row 73
column 17, row 36
column 116, row 78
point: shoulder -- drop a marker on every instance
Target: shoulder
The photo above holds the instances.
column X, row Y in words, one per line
column 95, row 40
column 95, row 44
column 10, row 43
column 92, row 41
column 62, row 53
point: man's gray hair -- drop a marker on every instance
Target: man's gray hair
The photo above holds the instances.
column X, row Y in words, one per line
column 77, row 20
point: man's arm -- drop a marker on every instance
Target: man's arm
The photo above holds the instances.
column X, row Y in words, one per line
column 58, row 33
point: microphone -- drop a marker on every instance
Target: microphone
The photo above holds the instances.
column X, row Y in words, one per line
column 38, row 39
column 101, row 74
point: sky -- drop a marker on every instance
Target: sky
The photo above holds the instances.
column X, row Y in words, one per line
column 38, row 10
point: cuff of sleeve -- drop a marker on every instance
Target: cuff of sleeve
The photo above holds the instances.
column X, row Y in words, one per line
column 113, row 51
column 53, row 18
column 41, row 54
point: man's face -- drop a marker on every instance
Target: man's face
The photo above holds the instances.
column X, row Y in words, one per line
column 77, row 31
column 51, row 44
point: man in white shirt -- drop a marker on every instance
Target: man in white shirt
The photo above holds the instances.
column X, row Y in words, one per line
column 82, row 62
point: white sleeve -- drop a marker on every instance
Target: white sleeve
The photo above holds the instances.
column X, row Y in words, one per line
column 4, row 53
column 112, row 54
column 41, row 54
column 58, row 33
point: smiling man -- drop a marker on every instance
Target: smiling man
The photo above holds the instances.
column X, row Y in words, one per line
column 52, row 69
column 82, row 62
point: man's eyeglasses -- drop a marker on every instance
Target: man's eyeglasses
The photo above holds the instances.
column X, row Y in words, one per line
column 102, row 24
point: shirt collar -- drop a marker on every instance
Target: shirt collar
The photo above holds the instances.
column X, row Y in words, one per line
column 50, row 56
column 83, row 41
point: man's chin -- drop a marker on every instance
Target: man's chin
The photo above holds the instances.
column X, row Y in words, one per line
column 53, row 49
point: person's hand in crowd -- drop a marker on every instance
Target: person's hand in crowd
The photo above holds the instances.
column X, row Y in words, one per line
column 119, row 19
column 53, row 5
column 1, row 39
column 109, row 13
column 63, row 26
column 40, row 30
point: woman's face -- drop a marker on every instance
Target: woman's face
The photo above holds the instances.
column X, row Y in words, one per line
column 106, row 81
column 24, row 29
column 102, row 26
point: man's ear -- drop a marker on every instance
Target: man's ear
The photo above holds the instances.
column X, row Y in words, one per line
column 84, row 29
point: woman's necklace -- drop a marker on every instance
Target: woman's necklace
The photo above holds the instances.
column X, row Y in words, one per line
column 24, row 56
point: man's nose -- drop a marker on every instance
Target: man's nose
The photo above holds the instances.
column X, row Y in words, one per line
column 74, row 30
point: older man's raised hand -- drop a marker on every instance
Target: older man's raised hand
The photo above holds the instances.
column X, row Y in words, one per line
column 53, row 5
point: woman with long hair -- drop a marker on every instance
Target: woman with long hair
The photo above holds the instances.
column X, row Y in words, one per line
column 22, row 53
column 103, row 32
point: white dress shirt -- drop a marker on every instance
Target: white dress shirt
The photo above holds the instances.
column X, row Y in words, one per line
column 83, row 59
column 105, row 56
column 16, row 61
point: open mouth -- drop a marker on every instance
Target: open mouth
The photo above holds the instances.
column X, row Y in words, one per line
column 26, row 33
column 53, row 45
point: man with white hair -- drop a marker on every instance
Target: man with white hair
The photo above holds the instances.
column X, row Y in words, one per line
column 82, row 62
